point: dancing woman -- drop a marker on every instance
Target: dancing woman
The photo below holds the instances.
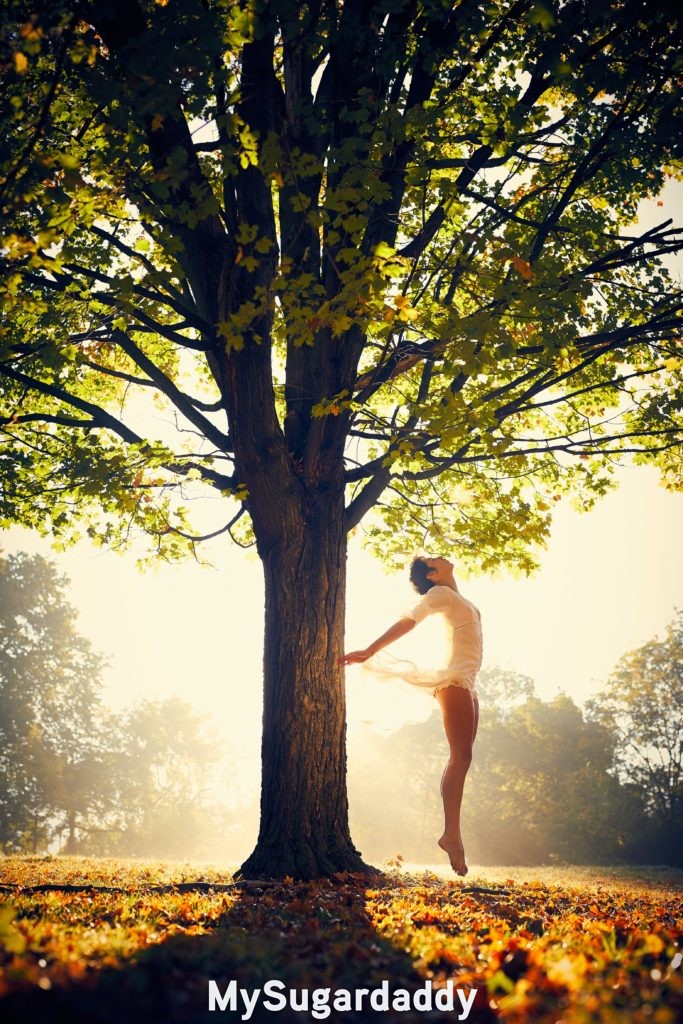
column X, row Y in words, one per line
column 454, row 686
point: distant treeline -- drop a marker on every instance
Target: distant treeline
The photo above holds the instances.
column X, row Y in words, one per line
column 549, row 782
column 77, row 777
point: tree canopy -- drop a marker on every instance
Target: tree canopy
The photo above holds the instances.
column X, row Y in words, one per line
column 410, row 223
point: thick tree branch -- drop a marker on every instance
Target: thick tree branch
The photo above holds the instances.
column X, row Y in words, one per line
column 43, row 417
column 190, row 318
column 205, row 249
column 60, row 282
column 180, row 400
column 613, row 383
column 569, row 447
column 141, row 382
column 100, row 418
column 667, row 240
column 171, row 297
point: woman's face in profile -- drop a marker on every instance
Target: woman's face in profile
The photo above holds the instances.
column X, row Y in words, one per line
column 439, row 566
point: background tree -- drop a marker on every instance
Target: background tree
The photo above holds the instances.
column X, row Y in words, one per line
column 643, row 703
column 50, row 724
column 170, row 776
column 545, row 790
column 369, row 256
column 501, row 690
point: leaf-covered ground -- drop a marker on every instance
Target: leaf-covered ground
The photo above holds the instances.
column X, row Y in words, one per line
column 560, row 945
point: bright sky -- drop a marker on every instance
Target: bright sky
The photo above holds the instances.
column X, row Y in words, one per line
column 610, row 580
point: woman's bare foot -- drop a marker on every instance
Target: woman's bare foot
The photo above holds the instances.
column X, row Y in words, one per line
column 456, row 853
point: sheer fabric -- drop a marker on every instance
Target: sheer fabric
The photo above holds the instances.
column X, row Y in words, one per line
column 465, row 648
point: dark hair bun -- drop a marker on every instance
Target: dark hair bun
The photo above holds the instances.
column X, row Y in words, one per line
column 418, row 576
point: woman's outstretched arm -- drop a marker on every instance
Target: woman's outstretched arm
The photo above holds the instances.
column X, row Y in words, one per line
column 398, row 629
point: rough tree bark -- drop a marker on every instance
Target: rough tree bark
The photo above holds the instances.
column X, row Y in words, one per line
column 296, row 503
column 304, row 811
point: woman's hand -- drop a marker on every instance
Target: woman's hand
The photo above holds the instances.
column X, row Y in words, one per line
column 355, row 657
column 398, row 629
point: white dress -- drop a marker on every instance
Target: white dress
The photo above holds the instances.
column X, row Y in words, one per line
column 465, row 645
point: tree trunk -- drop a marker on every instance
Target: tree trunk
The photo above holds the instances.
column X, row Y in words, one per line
column 304, row 828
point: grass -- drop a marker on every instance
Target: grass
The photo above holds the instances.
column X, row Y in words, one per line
column 559, row 944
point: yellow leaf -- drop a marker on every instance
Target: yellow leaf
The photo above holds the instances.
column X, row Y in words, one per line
column 654, row 944
column 20, row 62
column 263, row 244
column 408, row 315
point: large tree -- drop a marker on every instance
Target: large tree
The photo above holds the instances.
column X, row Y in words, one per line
column 377, row 261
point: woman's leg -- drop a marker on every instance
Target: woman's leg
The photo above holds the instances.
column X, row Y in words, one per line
column 460, row 710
